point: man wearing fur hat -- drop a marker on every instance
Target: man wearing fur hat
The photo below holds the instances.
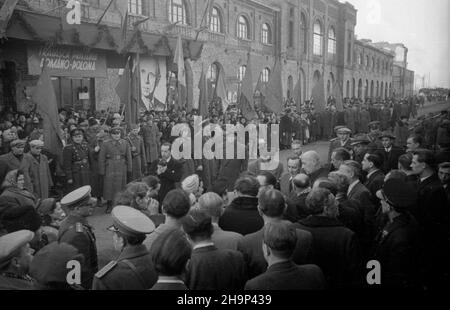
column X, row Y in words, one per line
column 14, row 158
column 36, row 170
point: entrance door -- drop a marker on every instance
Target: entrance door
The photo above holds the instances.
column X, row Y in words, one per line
column 75, row 94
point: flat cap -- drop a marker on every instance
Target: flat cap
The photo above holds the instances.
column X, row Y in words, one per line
column 18, row 143
column 342, row 129
column 386, row 134
column 362, row 139
column 130, row 221
column 10, row 243
column 374, row 123
column 76, row 132
column 36, row 143
column 77, row 198
column 116, row 130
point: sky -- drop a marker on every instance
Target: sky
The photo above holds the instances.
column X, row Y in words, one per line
column 423, row 26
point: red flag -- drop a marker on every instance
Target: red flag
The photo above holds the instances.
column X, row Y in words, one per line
column 6, row 12
column 178, row 60
column 125, row 92
column 47, row 107
column 318, row 95
column 274, row 91
column 203, row 102
column 298, row 94
column 221, row 90
column 245, row 103
column 122, row 7
column 338, row 95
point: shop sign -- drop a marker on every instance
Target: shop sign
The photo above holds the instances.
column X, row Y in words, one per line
column 66, row 61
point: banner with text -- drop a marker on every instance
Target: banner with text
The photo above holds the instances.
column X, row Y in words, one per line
column 66, row 61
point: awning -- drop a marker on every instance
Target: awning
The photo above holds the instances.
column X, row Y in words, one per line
column 44, row 28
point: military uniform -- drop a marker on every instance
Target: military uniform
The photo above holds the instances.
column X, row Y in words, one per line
column 133, row 269
column 9, row 244
column 76, row 231
column 337, row 143
column 115, row 162
column 77, row 165
column 138, row 154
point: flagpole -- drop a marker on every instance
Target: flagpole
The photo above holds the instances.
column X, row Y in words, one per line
column 104, row 13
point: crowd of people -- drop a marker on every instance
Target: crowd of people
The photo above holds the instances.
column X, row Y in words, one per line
column 229, row 224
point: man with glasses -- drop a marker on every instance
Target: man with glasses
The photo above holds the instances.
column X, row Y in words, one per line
column 35, row 166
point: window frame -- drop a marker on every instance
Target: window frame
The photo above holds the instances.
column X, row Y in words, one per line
column 266, row 34
column 241, row 27
column 216, row 21
column 332, row 48
column 318, row 39
column 176, row 11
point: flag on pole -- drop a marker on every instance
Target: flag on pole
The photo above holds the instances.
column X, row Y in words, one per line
column 338, row 95
column 6, row 12
column 298, row 94
column 274, row 91
column 318, row 95
column 178, row 60
column 245, row 103
column 47, row 107
column 203, row 98
column 124, row 91
column 122, row 8
column 221, row 90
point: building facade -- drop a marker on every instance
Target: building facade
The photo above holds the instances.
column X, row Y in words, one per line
column 311, row 38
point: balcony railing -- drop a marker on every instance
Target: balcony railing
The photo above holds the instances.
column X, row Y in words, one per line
column 216, row 37
column 244, row 43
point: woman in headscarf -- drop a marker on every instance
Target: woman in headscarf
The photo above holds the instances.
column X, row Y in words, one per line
column 14, row 187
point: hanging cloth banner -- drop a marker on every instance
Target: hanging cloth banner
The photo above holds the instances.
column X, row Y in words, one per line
column 66, row 61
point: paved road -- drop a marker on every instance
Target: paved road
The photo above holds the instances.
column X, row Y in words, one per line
column 101, row 221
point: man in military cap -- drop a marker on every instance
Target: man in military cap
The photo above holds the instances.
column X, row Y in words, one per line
column 76, row 231
column 342, row 140
column 133, row 269
column 389, row 153
column 14, row 159
column 115, row 165
column 77, row 161
column 15, row 259
column 35, row 166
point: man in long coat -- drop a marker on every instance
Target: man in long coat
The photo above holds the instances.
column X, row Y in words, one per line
column 37, row 174
column 137, row 152
column 77, row 162
column 152, row 136
column 115, row 165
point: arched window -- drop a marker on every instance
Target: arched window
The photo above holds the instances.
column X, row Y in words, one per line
column 347, row 91
column 241, row 72
column 318, row 39
column 378, row 65
column 358, row 59
column 290, row 88
column 242, row 28
column 353, row 87
column 361, row 59
column 215, row 24
column 213, row 73
column 265, row 74
column 367, row 62
column 177, row 12
column 304, row 33
column 266, row 34
column 332, row 41
column 373, row 63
